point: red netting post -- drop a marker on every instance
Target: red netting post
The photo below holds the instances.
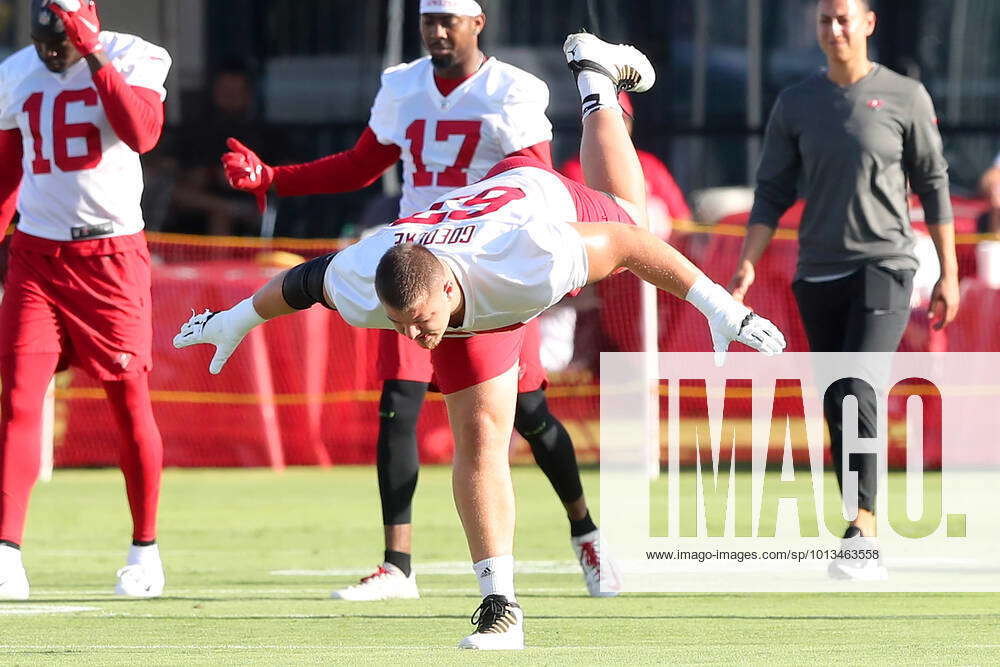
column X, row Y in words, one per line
column 264, row 386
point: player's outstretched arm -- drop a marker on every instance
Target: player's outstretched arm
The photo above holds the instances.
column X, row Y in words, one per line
column 614, row 246
column 346, row 171
column 288, row 292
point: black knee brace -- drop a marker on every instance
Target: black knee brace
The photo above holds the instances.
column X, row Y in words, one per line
column 303, row 284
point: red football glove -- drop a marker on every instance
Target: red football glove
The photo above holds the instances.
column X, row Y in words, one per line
column 81, row 22
column 245, row 171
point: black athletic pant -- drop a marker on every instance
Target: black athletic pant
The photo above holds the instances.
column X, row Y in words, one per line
column 866, row 311
column 398, row 461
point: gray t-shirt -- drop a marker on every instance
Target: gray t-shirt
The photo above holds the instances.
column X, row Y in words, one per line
column 854, row 148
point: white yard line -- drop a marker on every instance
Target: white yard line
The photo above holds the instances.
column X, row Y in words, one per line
column 28, row 609
column 320, row 593
column 444, row 568
column 13, row 648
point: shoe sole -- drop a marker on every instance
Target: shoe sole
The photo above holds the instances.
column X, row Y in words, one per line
column 627, row 73
column 336, row 596
column 13, row 598
column 13, row 593
column 472, row 647
column 841, row 573
column 138, row 596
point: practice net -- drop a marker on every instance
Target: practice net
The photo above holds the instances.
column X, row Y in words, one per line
column 302, row 391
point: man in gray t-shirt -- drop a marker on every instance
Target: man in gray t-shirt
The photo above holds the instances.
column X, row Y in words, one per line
column 853, row 137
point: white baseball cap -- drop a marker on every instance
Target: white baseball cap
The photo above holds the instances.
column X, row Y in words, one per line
column 457, row 7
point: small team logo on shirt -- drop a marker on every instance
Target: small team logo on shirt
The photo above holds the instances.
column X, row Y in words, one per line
column 875, row 104
column 122, row 359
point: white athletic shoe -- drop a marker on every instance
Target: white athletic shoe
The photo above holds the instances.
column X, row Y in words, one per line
column 141, row 581
column 860, row 559
column 387, row 583
column 13, row 583
column 625, row 65
column 499, row 626
column 210, row 327
column 588, row 552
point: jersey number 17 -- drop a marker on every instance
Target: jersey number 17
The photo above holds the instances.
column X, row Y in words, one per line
column 453, row 176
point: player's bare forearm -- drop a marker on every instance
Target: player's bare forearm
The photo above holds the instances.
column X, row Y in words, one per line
column 269, row 302
column 614, row 246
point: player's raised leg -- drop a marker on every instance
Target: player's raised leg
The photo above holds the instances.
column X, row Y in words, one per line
column 609, row 160
column 610, row 164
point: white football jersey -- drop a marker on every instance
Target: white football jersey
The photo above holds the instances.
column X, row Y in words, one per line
column 77, row 172
column 507, row 239
column 449, row 142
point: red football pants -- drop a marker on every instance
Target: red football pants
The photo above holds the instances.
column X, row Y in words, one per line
column 25, row 378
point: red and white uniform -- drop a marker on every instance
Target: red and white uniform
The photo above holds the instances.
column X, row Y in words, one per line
column 450, row 141
column 505, row 238
column 508, row 242
column 79, row 276
column 77, row 289
column 448, row 134
column 76, row 170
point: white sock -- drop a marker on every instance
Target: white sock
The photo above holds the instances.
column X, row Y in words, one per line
column 596, row 92
column 9, row 556
column 496, row 576
column 148, row 555
column 243, row 316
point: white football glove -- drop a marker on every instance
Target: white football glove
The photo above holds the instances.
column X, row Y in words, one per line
column 225, row 329
column 730, row 320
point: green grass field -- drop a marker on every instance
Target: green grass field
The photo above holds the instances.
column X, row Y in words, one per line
column 251, row 557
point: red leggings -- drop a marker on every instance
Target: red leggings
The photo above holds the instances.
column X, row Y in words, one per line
column 25, row 378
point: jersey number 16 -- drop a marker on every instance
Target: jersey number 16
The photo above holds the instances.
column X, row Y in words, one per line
column 62, row 132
